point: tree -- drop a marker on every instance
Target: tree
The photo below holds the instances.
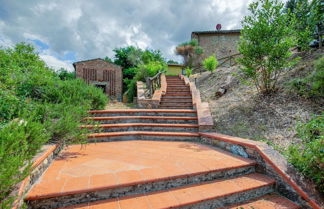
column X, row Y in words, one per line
column 265, row 42
column 305, row 16
column 210, row 63
column 172, row 62
column 188, row 50
column 108, row 59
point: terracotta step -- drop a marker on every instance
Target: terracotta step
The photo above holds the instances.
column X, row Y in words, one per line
column 177, row 94
column 144, row 112
column 176, row 102
column 141, row 119
column 176, row 106
column 272, row 201
column 144, row 135
column 207, row 195
column 116, row 169
column 165, row 97
column 165, row 127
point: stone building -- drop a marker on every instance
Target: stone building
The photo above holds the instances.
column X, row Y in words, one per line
column 102, row 74
column 221, row 43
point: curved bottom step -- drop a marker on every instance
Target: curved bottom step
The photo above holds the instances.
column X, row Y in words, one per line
column 215, row 194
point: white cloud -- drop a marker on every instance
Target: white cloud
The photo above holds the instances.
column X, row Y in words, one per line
column 55, row 63
column 94, row 28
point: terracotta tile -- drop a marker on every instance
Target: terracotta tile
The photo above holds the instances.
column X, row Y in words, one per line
column 128, row 177
column 46, row 188
column 104, row 180
column 162, row 200
column 105, row 204
column 137, row 202
column 76, row 184
column 150, row 174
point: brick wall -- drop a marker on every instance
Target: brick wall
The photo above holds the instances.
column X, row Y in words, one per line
column 102, row 73
column 220, row 44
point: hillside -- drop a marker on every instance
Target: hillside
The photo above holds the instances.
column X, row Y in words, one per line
column 242, row 112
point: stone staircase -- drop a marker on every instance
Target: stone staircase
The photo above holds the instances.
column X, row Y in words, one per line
column 178, row 95
column 153, row 158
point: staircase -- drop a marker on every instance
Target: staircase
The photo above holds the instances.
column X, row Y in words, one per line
column 151, row 158
column 178, row 95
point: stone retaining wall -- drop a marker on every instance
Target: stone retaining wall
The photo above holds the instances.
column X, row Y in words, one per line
column 270, row 162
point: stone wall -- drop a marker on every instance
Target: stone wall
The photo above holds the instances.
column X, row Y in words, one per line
column 220, row 43
column 101, row 73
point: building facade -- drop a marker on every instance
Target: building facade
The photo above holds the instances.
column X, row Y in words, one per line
column 102, row 74
column 221, row 43
column 175, row 69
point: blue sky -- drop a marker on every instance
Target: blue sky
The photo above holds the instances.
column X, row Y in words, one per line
column 67, row 31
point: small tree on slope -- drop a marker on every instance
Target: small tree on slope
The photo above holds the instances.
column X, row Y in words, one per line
column 265, row 42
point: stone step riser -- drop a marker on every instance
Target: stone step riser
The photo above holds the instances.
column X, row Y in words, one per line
column 176, row 96
column 176, row 99
column 144, row 137
column 176, row 104
column 225, row 201
column 189, row 108
column 145, row 114
column 147, row 128
column 146, row 187
column 171, row 121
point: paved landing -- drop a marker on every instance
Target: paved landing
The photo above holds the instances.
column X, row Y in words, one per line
column 104, row 165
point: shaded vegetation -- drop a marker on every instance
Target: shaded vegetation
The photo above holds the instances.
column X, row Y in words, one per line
column 37, row 105
column 308, row 157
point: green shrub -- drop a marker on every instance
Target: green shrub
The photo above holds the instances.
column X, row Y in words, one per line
column 308, row 157
column 210, row 63
column 188, row 72
column 311, row 86
column 265, row 44
column 55, row 107
column 63, row 74
column 20, row 140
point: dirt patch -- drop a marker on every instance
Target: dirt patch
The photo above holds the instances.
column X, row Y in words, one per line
column 243, row 112
column 119, row 105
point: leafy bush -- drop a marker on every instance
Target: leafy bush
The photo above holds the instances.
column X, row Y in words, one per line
column 265, row 42
column 210, row 63
column 311, row 86
column 20, row 141
column 36, row 106
column 188, row 72
column 63, row 74
column 308, row 157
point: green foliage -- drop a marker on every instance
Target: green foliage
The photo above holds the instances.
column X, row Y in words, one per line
column 37, row 105
column 20, row 141
column 189, row 51
column 108, row 59
column 305, row 16
column 308, row 157
column 132, row 60
column 265, row 42
column 63, row 74
column 144, row 71
column 311, row 86
column 210, row 63
column 188, row 72
column 172, row 62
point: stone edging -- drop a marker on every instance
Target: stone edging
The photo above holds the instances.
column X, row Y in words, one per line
column 272, row 163
column 37, row 169
column 205, row 120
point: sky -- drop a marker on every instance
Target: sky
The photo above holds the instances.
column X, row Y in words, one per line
column 65, row 31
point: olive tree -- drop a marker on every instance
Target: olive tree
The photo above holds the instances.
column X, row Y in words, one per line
column 265, row 44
